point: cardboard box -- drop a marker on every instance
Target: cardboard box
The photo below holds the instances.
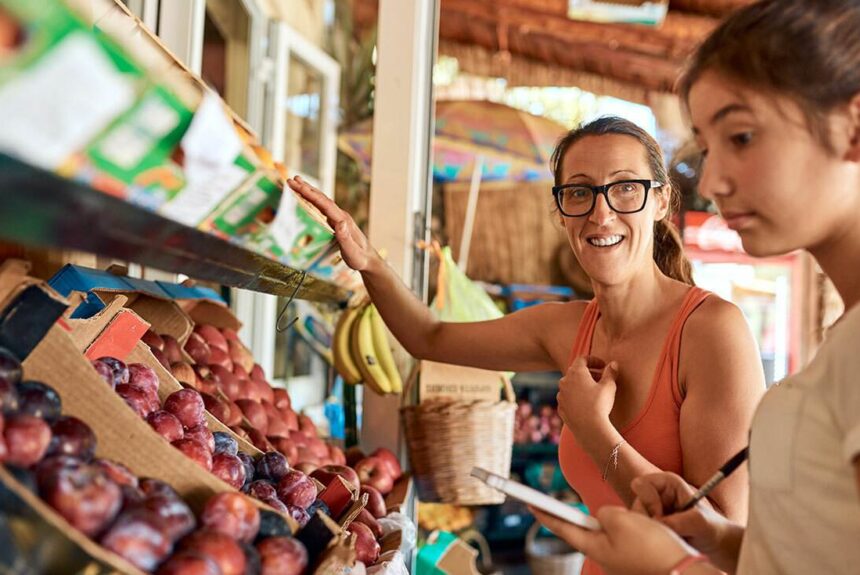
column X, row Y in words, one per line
column 116, row 332
column 400, row 495
column 446, row 554
column 203, row 305
column 148, row 299
column 121, row 434
column 63, row 86
column 29, row 308
column 32, row 526
column 442, row 381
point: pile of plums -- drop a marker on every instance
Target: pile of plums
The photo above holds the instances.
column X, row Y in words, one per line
column 181, row 420
column 235, row 391
column 271, row 480
column 142, row 520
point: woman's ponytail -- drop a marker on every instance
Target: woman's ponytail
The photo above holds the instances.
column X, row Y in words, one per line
column 669, row 252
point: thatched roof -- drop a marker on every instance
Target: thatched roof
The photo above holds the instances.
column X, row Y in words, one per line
column 514, row 33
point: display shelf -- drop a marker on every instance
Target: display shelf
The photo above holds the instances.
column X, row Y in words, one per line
column 41, row 209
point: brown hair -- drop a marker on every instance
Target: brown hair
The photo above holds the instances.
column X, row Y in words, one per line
column 808, row 50
column 668, row 250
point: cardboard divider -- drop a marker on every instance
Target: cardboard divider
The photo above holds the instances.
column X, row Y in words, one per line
column 75, row 551
column 400, row 494
column 202, row 311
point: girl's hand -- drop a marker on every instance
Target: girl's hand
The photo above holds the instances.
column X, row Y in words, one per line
column 660, row 494
column 628, row 543
column 354, row 247
column 584, row 398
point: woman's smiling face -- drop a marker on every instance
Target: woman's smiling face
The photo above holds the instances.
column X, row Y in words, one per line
column 611, row 247
column 773, row 181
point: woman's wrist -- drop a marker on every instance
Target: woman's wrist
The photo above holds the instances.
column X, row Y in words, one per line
column 375, row 265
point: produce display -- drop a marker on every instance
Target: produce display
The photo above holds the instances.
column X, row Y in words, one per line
column 361, row 352
column 142, row 520
column 539, row 425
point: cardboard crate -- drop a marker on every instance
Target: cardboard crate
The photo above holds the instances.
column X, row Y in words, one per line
column 116, row 332
column 33, row 526
column 122, row 435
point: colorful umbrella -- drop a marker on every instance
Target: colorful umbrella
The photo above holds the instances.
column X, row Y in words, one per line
column 515, row 145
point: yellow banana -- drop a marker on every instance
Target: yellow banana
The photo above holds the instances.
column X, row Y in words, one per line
column 383, row 352
column 364, row 354
column 341, row 353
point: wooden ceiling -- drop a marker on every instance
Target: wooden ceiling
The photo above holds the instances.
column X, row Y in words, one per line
column 640, row 56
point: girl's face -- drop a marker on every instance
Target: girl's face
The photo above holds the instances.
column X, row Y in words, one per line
column 773, row 181
column 611, row 247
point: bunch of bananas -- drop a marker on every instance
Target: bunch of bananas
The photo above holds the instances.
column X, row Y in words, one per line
column 361, row 353
column 432, row 516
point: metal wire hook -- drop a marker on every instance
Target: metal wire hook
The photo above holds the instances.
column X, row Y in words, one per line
column 278, row 327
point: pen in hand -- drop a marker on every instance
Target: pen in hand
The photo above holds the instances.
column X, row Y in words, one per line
column 724, row 472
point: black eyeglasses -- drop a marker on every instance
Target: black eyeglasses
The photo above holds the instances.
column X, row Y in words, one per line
column 624, row 197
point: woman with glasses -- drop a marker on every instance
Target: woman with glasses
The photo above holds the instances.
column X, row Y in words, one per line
column 773, row 96
column 642, row 389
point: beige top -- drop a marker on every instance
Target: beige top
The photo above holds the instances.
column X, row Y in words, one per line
column 804, row 501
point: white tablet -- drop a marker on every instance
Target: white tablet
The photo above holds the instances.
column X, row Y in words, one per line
column 536, row 499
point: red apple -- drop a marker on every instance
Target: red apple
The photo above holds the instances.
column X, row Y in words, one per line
column 240, row 372
column 257, row 372
column 353, row 455
column 153, row 340
column 282, row 398
column 275, row 424
column 184, row 373
column 229, row 469
column 229, row 334
column 175, row 518
column 218, row 409
column 327, row 473
column 172, row 349
column 388, row 457
column 235, row 414
column 197, row 348
column 366, row 547
column 213, row 337
column 240, row 355
column 261, row 489
column 375, row 501
column 307, row 425
column 259, row 440
column 374, row 472
column 307, row 468
column 336, row 455
column 291, row 419
column 220, row 357
column 255, row 414
column 365, row 517
column 161, row 357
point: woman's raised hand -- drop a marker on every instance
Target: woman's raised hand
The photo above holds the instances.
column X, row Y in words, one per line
column 354, row 247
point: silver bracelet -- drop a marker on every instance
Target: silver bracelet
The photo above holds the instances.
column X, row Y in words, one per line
column 613, row 459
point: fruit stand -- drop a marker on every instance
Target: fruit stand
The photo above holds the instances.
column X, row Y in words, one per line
column 138, row 432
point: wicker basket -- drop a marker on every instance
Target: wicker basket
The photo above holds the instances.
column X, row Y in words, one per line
column 447, row 438
column 551, row 556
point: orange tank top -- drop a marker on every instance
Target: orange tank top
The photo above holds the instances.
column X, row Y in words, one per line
column 654, row 432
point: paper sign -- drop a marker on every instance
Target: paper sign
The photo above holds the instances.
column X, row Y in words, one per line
column 454, row 382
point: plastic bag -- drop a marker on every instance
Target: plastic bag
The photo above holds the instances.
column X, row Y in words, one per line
column 400, row 522
column 459, row 299
column 393, row 565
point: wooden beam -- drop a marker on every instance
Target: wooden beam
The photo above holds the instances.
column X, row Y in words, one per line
column 643, row 56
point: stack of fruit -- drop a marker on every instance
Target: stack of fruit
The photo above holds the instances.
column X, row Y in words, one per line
column 142, row 520
column 180, row 420
column 361, row 353
column 531, row 427
column 444, row 516
column 235, row 391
